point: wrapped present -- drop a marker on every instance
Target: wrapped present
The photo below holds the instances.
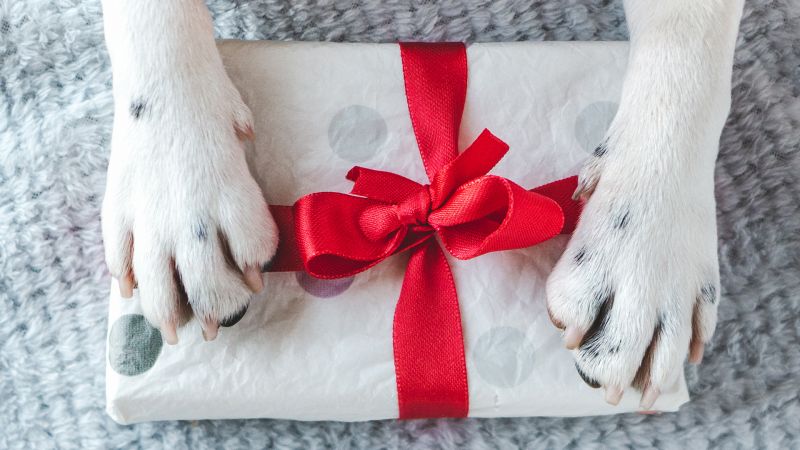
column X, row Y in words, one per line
column 415, row 243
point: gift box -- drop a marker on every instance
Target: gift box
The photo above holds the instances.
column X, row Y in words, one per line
column 410, row 280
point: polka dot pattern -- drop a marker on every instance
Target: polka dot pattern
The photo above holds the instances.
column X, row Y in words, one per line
column 356, row 133
column 592, row 123
column 503, row 357
column 133, row 345
column 323, row 288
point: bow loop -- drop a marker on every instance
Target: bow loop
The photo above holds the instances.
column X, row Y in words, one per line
column 380, row 185
column 492, row 213
column 478, row 159
column 331, row 237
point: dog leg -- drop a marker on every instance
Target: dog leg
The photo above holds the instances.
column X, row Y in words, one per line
column 638, row 286
column 182, row 216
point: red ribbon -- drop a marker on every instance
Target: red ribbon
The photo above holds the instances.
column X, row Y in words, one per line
column 334, row 235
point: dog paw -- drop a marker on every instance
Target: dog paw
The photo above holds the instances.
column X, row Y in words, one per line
column 638, row 284
column 183, row 219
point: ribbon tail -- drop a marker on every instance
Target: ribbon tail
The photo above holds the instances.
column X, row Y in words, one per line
column 430, row 366
column 435, row 77
column 561, row 192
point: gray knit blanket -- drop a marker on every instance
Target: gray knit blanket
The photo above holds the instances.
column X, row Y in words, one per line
column 55, row 125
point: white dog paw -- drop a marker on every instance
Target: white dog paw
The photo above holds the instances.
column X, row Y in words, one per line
column 183, row 219
column 638, row 285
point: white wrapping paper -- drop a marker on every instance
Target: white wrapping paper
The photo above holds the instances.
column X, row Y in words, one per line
column 322, row 350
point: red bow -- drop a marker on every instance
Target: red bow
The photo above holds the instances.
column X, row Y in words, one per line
column 338, row 235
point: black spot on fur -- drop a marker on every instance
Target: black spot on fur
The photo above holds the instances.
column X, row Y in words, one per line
column 234, row 319
column 201, row 232
column 137, row 109
column 580, row 256
column 600, row 150
column 708, row 293
column 590, row 381
column 621, row 221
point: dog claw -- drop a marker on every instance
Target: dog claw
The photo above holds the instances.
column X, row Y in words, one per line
column 613, row 395
column 244, row 132
column 126, row 285
column 573, row 337
column 253, row 279
column 169, row 333
column 696, row 352
column 649, row 398
column 210, row 331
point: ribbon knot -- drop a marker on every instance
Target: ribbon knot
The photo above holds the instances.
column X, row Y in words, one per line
column 414, row 209
column 379, row 221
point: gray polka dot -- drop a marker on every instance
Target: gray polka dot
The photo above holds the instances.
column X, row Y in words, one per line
column 593, row 122
column 322, row 288
column 133, row 345
column 503, row 357
column 356, row 133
